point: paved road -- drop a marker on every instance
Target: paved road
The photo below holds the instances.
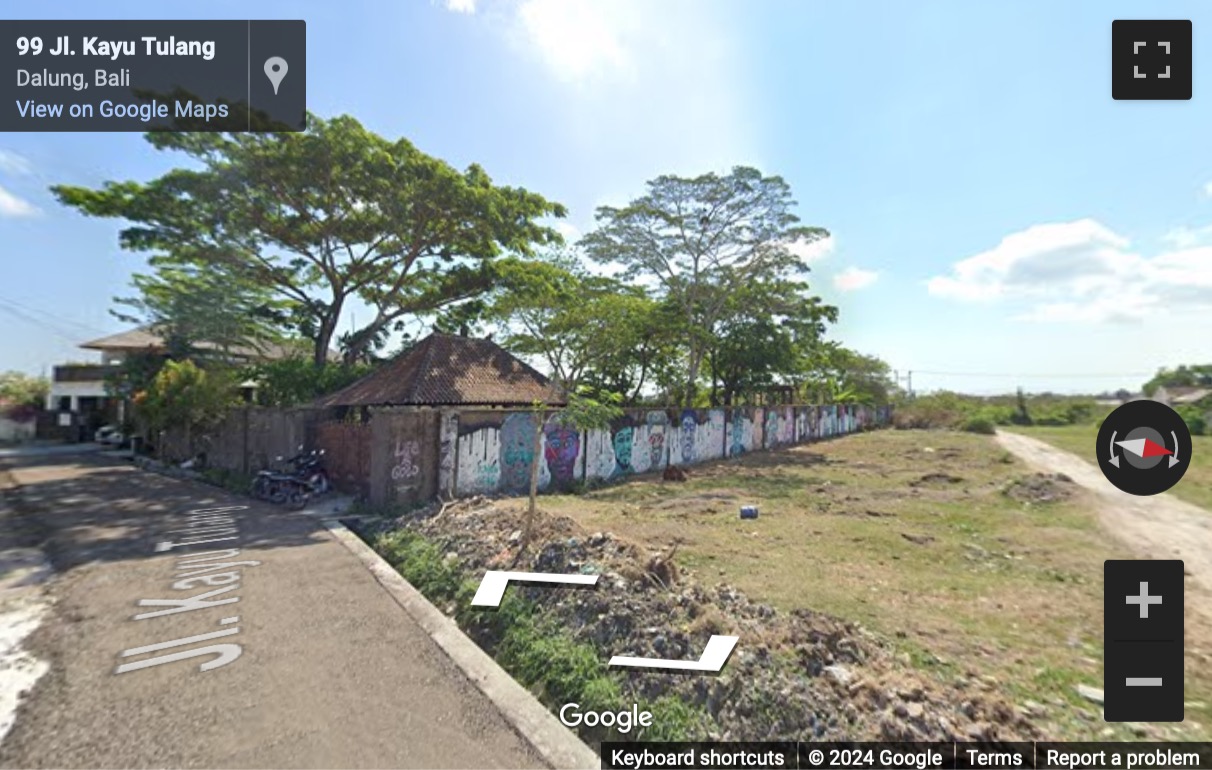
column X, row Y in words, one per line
column 331, row 673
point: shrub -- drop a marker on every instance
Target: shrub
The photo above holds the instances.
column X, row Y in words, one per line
column 1195, row 418
column 980, row 424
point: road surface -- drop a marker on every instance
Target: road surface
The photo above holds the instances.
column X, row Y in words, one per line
column 330, row 671
column 1156, row 527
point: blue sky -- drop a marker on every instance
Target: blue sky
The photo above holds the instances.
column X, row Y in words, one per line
column 997, row 218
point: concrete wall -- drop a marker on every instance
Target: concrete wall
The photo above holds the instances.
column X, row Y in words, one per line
column 406, row 456
column 12, row 430
column 492, row 450
column 248, row 440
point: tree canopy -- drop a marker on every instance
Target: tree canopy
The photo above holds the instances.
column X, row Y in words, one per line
column 321, row 217
column 700, row 241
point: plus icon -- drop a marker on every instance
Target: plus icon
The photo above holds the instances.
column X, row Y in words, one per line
column 1144, row 600
column 1151, row 59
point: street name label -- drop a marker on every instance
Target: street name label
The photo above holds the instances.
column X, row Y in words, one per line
column 153, row 76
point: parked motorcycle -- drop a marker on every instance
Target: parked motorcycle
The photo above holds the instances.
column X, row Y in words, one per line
column 294, row 487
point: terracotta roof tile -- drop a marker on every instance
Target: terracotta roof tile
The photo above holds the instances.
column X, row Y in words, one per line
column 447, row 370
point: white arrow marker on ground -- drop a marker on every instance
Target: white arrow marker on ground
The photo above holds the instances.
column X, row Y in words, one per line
column 492, row 587
column 715, row 655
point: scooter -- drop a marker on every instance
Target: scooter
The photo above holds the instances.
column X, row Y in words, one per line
column 295, row 488
column 278, row 486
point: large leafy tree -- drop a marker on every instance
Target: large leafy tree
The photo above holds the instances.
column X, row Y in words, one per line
column 200, row 310
column 324, row 217
column 701, row 240
column 841, row 375
column 590, row 331
column 771, row 334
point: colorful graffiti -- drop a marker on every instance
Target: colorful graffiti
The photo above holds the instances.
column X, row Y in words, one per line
column 561, row 448
column 517, row 451
column 623, row 443
column 494, row 450
column 742, row 434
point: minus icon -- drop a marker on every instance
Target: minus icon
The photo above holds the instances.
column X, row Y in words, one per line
column 1144, row 681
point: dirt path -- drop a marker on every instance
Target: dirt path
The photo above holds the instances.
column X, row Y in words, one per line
column 1158, row 527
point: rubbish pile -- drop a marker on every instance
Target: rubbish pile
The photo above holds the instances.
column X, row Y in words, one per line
column 792, row 676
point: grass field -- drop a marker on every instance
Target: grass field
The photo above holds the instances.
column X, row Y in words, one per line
column 1196, row 484
column 930, row 538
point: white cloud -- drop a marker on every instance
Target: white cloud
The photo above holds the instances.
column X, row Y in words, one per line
column 461, row 6
column 1208, row 189
column 854, row 278
column 813, row 251
column 571, row 232
column 1184, row 237
column 12, row 163
column 579, row 39
column 13, row 206
column 1082, row 271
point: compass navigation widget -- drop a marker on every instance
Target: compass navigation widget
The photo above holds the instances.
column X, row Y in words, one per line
column 1143, row 447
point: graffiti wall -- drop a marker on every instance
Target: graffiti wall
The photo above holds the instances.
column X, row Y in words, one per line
column 493, row 451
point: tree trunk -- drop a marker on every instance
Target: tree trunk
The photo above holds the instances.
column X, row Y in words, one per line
column 532, row 511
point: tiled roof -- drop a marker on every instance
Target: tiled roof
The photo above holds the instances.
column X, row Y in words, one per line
column 146, row 337
column 448, row 370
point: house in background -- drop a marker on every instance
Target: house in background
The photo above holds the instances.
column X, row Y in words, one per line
column 78, row 399
column 450, row 370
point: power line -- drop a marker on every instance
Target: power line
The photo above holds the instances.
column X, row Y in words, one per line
column 74, row 338
column 57, row 317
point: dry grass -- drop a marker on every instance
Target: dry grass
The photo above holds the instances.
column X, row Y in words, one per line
column 912, row 534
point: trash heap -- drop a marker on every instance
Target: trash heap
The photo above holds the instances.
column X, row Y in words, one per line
column 792, row 676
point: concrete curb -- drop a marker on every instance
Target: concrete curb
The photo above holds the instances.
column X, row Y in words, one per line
column 558, row 745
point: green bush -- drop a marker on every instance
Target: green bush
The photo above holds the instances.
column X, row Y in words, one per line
column 980, row 424
column 1195, row 417
column 957, row 412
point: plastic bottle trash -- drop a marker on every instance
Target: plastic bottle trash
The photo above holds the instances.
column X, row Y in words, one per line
column 749, row 512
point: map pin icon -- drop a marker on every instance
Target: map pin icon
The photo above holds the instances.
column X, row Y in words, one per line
column 275, row 70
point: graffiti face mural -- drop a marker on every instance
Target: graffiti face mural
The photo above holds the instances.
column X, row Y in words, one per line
column 517, row 451
column 563, row 447
column 772, row 427
column 656, row 446
column 688, row 427
column 737, row 445
column 624, row 441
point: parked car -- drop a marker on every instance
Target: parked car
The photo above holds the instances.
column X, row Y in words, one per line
column 109, row 435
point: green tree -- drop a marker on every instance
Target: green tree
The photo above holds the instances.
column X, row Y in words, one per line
column 770, row 335
column 22, row 389
column 847, row 376
column 1184, row 375
column 185, row 395
column 591, row 331
column 702, row 240
column 295, row 381
column 325, row 216
column 202, row 311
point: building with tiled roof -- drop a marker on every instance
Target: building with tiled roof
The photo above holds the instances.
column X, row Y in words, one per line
column 450, row 370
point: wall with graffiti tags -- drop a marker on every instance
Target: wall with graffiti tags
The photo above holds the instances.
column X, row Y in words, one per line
column 492, row 451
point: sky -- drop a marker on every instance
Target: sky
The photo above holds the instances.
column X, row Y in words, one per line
column 997, row 219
